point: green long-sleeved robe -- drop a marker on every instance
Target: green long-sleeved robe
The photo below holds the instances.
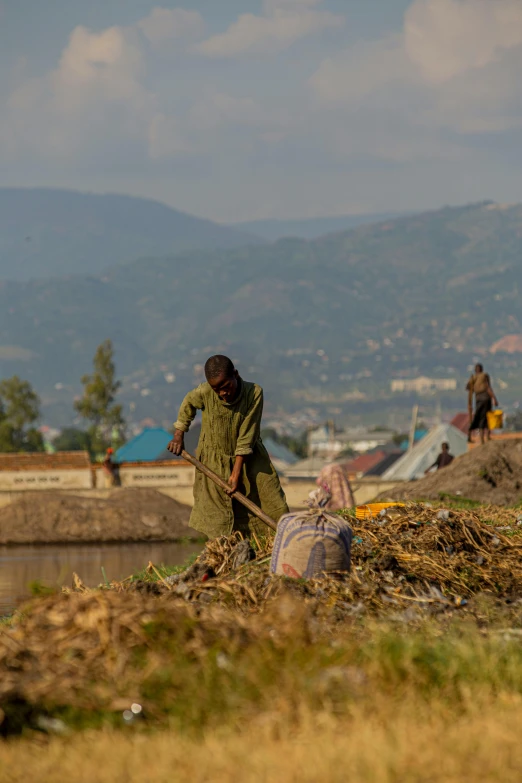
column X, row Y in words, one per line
column 228, row 430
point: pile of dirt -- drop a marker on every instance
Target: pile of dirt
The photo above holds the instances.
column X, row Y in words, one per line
column 126, row 515
column 490, row 474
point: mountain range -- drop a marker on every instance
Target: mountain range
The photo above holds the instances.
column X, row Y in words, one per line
column 46, row 232
column 311, row 228
column 325, row 323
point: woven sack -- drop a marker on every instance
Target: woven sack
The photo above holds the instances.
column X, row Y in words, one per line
column 310, row 543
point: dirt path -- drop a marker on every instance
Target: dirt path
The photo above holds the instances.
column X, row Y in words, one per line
column 127, row 515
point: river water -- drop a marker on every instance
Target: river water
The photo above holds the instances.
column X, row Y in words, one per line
column 52, row 565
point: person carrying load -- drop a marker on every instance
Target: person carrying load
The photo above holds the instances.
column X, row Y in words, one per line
column 480, row 385
column 230, row 445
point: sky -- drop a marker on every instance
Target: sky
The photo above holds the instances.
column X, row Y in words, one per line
column 252, row 109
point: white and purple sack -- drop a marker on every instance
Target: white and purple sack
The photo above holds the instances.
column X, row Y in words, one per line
column 311, row 543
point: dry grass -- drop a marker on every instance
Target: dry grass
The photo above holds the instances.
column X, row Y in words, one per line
column 415, row 743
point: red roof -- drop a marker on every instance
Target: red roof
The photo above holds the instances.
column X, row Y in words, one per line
column 364, row 462
column 461, row 422
column 62, row 460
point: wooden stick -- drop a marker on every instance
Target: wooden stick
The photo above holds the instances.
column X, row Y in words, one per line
column 236, row 495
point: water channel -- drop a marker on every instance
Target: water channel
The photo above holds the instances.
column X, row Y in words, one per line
column 53, row 565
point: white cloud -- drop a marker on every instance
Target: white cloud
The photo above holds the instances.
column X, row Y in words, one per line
column 361, row 70
column 444, row 38
column 456, row 64
column 213, row 121
column 283, row 23
column 96, row 95
column 167, row 138
column 94, row 92
column 164, row 25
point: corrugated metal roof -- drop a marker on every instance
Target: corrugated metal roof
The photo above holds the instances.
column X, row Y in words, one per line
column 385, row 464
column 461, row 422
column 279, row 452
column 306, row 468
column 364, row 462
column 145, row 447
column 413, row 464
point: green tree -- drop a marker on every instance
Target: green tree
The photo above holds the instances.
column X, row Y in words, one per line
column 72, row 439
column 19, row 409
column 98, row 405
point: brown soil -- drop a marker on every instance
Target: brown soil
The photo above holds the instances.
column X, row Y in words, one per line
column 490, row 474
column 127, row 515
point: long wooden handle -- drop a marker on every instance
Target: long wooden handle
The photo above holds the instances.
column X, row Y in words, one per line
column 236, row 495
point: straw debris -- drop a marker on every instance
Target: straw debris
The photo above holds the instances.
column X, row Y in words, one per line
column 417, row 555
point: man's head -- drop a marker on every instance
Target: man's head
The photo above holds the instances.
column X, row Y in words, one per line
column 479, row 368
column 222, row 377
column 445, row 447
column 110, row 451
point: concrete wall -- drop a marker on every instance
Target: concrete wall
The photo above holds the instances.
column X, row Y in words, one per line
column 177, row 476
column 24, row 480
column 173, row 480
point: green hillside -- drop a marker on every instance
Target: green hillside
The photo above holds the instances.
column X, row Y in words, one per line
column 326, row 323
column 57, row 232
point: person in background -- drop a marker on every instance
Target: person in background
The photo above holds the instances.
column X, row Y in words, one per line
column 109, row 468
column 479, row 385
column 443, row 460
column 333, row 483
column 229, row 444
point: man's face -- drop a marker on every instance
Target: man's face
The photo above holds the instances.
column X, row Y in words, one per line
column 225, row 386
column 478, row 368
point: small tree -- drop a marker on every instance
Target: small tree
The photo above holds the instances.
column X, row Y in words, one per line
column 19, row 409
column 97, row 404
column 72, row 439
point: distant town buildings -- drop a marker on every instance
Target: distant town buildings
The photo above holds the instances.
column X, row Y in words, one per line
column 328, row 443
column 424, row 385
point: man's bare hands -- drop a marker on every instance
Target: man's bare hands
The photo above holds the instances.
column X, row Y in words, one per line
column 177, row 445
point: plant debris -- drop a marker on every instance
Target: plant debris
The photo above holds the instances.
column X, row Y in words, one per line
column 415, row 555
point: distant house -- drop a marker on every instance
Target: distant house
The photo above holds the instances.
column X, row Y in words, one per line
column 461, row 422
column 359, row 466
column 375, row 463
column 328, row 442
column 282, row 458
column 306, row 469
column 419, row 435
column 151, row 445
column 423, row 385
column 415, row 462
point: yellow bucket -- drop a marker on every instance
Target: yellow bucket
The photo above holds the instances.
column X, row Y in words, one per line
column 495, row 420
column 373, row 509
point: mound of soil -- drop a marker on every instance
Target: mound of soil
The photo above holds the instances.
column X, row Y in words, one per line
column 490, row 474
column 126, row 515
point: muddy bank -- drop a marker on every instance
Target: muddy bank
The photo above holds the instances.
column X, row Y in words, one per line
column 490, row 474
column 126, row 515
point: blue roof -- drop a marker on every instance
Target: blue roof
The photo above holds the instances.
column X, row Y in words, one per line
column 419, row 435
column 145, row 447
column 280, row 452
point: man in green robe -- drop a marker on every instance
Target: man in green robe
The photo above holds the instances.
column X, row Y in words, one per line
column 230, row 444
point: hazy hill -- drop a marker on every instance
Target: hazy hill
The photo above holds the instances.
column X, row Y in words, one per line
column 58, row 232
column 320, row 322
column 311, row 228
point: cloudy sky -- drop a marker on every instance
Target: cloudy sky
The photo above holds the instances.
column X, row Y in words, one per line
column 246, row 109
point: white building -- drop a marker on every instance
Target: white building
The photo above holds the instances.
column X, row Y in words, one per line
column 424, row 385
